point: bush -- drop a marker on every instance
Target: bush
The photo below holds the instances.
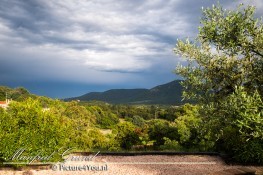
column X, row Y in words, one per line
column 192, row 134
column 126, row 136
column 138, row 121
column 26, row 125
column 82, row 141
column 99, row 141
column 242, row 118
column 171, row 145
column 82, row 118
column 104, row 119
column 188, row 124
column 251, row 151
column 158, row 129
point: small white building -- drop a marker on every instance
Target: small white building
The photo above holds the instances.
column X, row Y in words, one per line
column 4, row 104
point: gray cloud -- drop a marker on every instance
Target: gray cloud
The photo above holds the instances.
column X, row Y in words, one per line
column 97, row 42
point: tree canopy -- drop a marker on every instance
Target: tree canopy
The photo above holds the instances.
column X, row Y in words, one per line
column 225, row 74
column 228, row 52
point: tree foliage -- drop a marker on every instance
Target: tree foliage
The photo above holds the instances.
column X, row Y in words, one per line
column 224, row 73
column 125, row 135
column 159, row 129
column 228, row 52
column 26, row 125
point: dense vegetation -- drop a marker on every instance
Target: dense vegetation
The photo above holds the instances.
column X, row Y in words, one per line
column 224, row 77
column 46, row 125
column 17, row 94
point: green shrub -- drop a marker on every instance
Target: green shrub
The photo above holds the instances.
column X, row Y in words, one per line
column 104, row 119
column 99, row 141
column 193, row 136
column 138, row 121
column 81, row 117
column 251, row 151
column 26, row 125
column 82, row 141
column 242, row 118
column 126, row 136
column 188, row 124
column 171, row 145
column 158, row 129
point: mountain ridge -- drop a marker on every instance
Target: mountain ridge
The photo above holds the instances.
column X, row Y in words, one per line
column 166, row 94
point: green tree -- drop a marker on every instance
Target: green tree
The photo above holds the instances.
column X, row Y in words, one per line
column 228, row 52
column 80, row 115
column 126, row 135
column 99, row 141
column 225, row 64
column 26, row 125
column 242, row 134
column 159, row 128
column 104, row 118
column 138, row 121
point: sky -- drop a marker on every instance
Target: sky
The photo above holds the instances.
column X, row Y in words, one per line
column 66, row 48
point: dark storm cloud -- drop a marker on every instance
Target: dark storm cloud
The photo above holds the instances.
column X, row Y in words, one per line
column 105, row 42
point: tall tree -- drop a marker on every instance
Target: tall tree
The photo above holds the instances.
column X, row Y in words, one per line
column 225, row 74
column 228, row 52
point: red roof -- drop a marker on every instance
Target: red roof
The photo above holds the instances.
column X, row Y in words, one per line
column 2, row 102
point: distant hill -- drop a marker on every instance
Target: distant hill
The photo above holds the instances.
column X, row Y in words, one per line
column 169, row 94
